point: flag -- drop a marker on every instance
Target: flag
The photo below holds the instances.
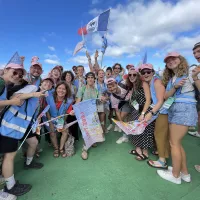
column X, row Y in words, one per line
column 145, row 58
column 89, row 123
column 99, row 23
column 105, row 44
column 78, row 47
column 15, row 59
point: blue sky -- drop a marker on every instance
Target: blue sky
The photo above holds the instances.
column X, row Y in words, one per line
column 48, row 29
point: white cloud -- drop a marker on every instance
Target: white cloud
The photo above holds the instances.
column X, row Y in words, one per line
column 67, row 51
column 82, row 59
column 95, row 12
column 53, row 62
column 157, row 24
column 52, row 59
column 2, row 66
column 51, row 48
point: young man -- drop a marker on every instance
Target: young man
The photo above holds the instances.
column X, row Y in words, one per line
column 80, row 80
column 119, row 94
column 196, row 53
column 196, row 78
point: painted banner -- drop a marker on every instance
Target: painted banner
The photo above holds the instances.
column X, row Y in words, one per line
column 133, row 127
column 89, row 123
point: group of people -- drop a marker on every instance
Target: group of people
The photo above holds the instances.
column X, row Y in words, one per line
column 168, row 104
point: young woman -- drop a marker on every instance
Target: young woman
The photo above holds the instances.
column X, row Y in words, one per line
column 181, row 115
column 59, row 101
column 55, row 74
column 140, row 102
column 14, row 115
column 117, row 69
column 120, row 94
column 88, row 92
column 69, row 78
column 102, row 89
column 8, row 146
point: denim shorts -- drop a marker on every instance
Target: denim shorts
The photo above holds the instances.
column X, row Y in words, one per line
column 183, row 114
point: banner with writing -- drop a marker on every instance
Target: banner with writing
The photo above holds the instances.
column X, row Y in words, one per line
column 134, row 127
column 89, row 123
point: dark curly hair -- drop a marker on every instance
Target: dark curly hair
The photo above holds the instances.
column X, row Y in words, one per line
column 65, row 73
column 117, row 64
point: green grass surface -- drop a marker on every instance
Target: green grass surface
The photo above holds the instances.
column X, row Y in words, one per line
column 110, row 173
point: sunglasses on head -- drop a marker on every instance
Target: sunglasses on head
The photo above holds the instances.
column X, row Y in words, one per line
column 146, row 72
column 134, row 75
column 16, row 73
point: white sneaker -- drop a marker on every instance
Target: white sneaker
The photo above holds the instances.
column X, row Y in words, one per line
column 167, row 175
column 116, row 128
column 184, row 177
column 110, row 127
column 194, row 133
column 6, row 196
column 122, row 139
column 119, row 130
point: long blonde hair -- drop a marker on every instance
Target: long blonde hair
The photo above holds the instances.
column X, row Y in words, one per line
column 182, row 69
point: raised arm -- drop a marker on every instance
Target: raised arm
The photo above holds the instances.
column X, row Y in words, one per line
column 96, row 59
column 89, row 61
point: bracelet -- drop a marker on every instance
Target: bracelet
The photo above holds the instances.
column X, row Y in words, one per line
column 175, row 87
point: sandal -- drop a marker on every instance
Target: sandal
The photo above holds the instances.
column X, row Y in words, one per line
column 134, row 152
column 155, row 153
column 56, row 153
column 163, row 165
column 141, row 157
column 197, row 167
column 84, row 155
column 63, row 154
column 94, row 145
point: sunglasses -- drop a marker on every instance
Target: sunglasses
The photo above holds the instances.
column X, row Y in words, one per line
column 117, row 68
column 134, row 75
column 16, row 73
column 145, row 72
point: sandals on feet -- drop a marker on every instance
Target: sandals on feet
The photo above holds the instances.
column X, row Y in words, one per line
column 159, row 165
column 134, row 152
column 155, row 153
column 84, row 155
column 56, row 153
column 63, row 154
column 141, row 157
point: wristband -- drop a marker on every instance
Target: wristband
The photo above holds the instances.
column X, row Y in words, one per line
column 152, row 113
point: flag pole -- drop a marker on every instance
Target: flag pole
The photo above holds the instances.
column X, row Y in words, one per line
column 105, row 35
column 83, row 37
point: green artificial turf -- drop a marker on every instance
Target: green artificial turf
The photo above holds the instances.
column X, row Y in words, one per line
column 110, row 173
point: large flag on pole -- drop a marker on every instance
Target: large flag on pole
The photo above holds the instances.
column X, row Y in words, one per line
column 99, row 23
column 78, row 47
